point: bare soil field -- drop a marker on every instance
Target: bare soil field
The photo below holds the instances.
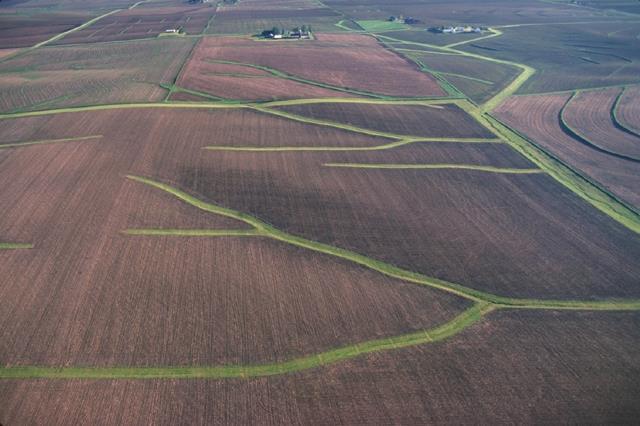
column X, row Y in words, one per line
column 91, row 74
column 568, row 57
column 589, row 114
column 451, row 224
column 514, row 367
column 629, row 109
column 427, row 121
column 27, row 30
column 87, row 294
column 143, row 22
column 541, row 123
column 347, row 61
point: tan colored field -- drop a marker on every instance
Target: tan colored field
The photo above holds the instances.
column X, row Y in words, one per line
column 346, row 61
column 541, row 123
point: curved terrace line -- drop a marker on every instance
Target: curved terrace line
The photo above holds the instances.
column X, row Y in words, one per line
column 583, row 139
column 617, row 121
column 48, row 141
column 489, row 169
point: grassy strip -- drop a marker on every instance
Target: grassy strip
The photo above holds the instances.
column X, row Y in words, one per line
column 194, row 232
column 15, row 246
column 267, row 230
column 345, row 148
column 580, row 137
column 489, row 169
column 453, row 327
column 48, row 141
column 617, row 121
column 581, row 185
column 280, row 74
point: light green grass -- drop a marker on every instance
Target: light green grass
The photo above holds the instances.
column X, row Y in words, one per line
column 15, row 246
column 489, row 169
column 379, row 26
column 382, row 147
column 194, row 232
column 48, row 141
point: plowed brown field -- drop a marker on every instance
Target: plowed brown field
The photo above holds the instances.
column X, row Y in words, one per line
column 89, row 295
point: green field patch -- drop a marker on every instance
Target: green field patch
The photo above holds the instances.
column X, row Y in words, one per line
column 378, row 25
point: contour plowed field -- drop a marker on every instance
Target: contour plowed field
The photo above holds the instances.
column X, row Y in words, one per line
column 629, row 108
column 87, row 294
column 541, row 123
column 426, row 121
column 354, row 61
column 487, row 374
column 589, row 113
